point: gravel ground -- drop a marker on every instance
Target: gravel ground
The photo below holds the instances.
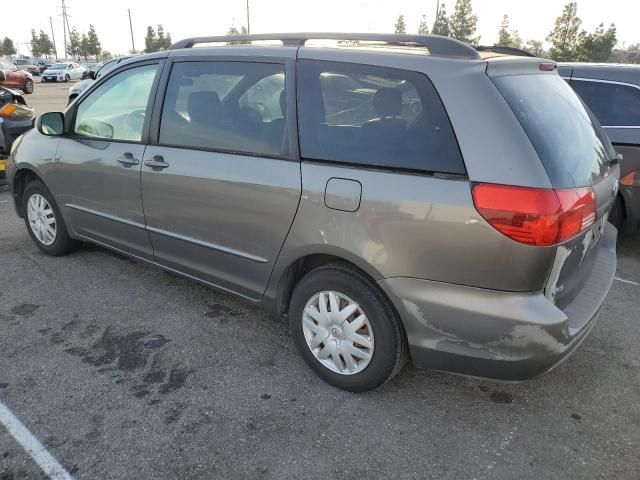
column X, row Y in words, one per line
column 124, row 371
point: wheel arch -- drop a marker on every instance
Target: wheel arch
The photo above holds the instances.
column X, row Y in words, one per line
column 24, row 175
column 295, row 267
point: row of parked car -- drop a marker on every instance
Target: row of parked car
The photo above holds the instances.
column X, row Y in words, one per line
column 449, row 207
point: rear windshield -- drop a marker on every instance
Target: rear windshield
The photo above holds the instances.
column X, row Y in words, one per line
column 569, row 140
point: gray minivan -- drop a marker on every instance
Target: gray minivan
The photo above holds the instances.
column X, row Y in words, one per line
column 395, row 196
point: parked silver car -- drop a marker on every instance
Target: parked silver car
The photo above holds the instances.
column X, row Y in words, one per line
column 394, row 196
column 63, row 72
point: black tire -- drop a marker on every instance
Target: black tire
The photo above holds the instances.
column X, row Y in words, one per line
column 63, row 244
column 616, row 216
column 390, row 352
column 28, row 86
column 67, row 78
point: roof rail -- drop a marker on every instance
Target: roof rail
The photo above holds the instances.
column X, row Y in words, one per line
column 437, row 45
column 504, row 50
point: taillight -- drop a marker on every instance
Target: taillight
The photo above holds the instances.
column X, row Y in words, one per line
column 630, row 179
column 536, row 216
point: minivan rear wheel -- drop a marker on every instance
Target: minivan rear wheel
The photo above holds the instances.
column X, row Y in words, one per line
column 346, row 329
column 44, row 221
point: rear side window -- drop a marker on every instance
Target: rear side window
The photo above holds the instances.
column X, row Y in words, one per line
column 613, row 104
column 226, row 106
column 567, row 137
column 374, row 116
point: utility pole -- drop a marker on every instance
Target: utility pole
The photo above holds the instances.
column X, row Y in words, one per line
column 53, row 38
column 248, row 25
column 65, row 26
column 133, row 45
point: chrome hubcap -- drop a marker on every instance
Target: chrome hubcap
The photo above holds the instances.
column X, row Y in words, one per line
column 338, row 332
column 42, row 219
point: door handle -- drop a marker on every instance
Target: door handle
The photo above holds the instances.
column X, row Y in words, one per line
column 157, row 161
column 127, row 159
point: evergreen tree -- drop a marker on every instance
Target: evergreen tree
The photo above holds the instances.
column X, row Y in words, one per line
column 73, row 47
column 506, row 37
column 535, row 47
column 441, row 24
column 163, row 41
column 150, row 40
column 45, row 44
column 564, row 36
column 597, row 46
column 84, row 46
column 93, row 43
column 35, row 45
column 7, row 47
column 401, row 27
column 463, row 23
column 423, row 29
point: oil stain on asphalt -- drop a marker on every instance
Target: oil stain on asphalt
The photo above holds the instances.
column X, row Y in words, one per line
column 134, row 358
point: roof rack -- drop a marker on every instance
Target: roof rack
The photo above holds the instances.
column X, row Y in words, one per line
column 504, row 50
column 437, row 45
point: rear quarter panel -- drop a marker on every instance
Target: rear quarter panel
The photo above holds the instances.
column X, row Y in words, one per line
column 411, row 226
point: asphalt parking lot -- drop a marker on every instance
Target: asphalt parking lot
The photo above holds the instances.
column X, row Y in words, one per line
column 124, row 371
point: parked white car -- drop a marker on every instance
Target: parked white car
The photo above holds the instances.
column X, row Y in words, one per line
column 62, row 72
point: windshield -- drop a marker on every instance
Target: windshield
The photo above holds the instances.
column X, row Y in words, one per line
column 58, row 66
column 568, row 139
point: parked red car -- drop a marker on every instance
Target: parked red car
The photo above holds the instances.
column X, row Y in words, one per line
column 15, row 78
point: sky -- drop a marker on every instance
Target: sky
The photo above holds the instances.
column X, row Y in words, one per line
column 533, row 19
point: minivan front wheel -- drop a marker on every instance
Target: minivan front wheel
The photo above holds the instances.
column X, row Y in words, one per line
column 44, row 221
column 346, row 329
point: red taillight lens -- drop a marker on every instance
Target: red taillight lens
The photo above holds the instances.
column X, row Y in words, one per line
column 536, row 216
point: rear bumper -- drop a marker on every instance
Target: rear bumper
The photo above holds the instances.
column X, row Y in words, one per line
column 493, row 334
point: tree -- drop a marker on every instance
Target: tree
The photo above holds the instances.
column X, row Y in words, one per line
column 401, row 27
column 163, row 42
column 441, row 24
column 84, row 46
column 106, row 55
column 150, row 40
column 233, row 31
column 7, row 47
column 423, row 29
column 597, row 46
column 535, row 47
column 93, row 43
column 564, row 36
column 73, row 47
column 629, row 55
column 506, row 37
column 45, row 44
column 35, row 44
column 463, row 23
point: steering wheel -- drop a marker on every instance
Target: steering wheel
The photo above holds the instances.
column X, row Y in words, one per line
column 135, row 119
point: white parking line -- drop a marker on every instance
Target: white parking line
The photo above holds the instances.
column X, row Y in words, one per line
column 32, row 446
column 630, row 282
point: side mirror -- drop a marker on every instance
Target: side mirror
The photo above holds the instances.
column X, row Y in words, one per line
column 51, row 124
column 92, row 75
column 94, row 128
column 3, row 76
